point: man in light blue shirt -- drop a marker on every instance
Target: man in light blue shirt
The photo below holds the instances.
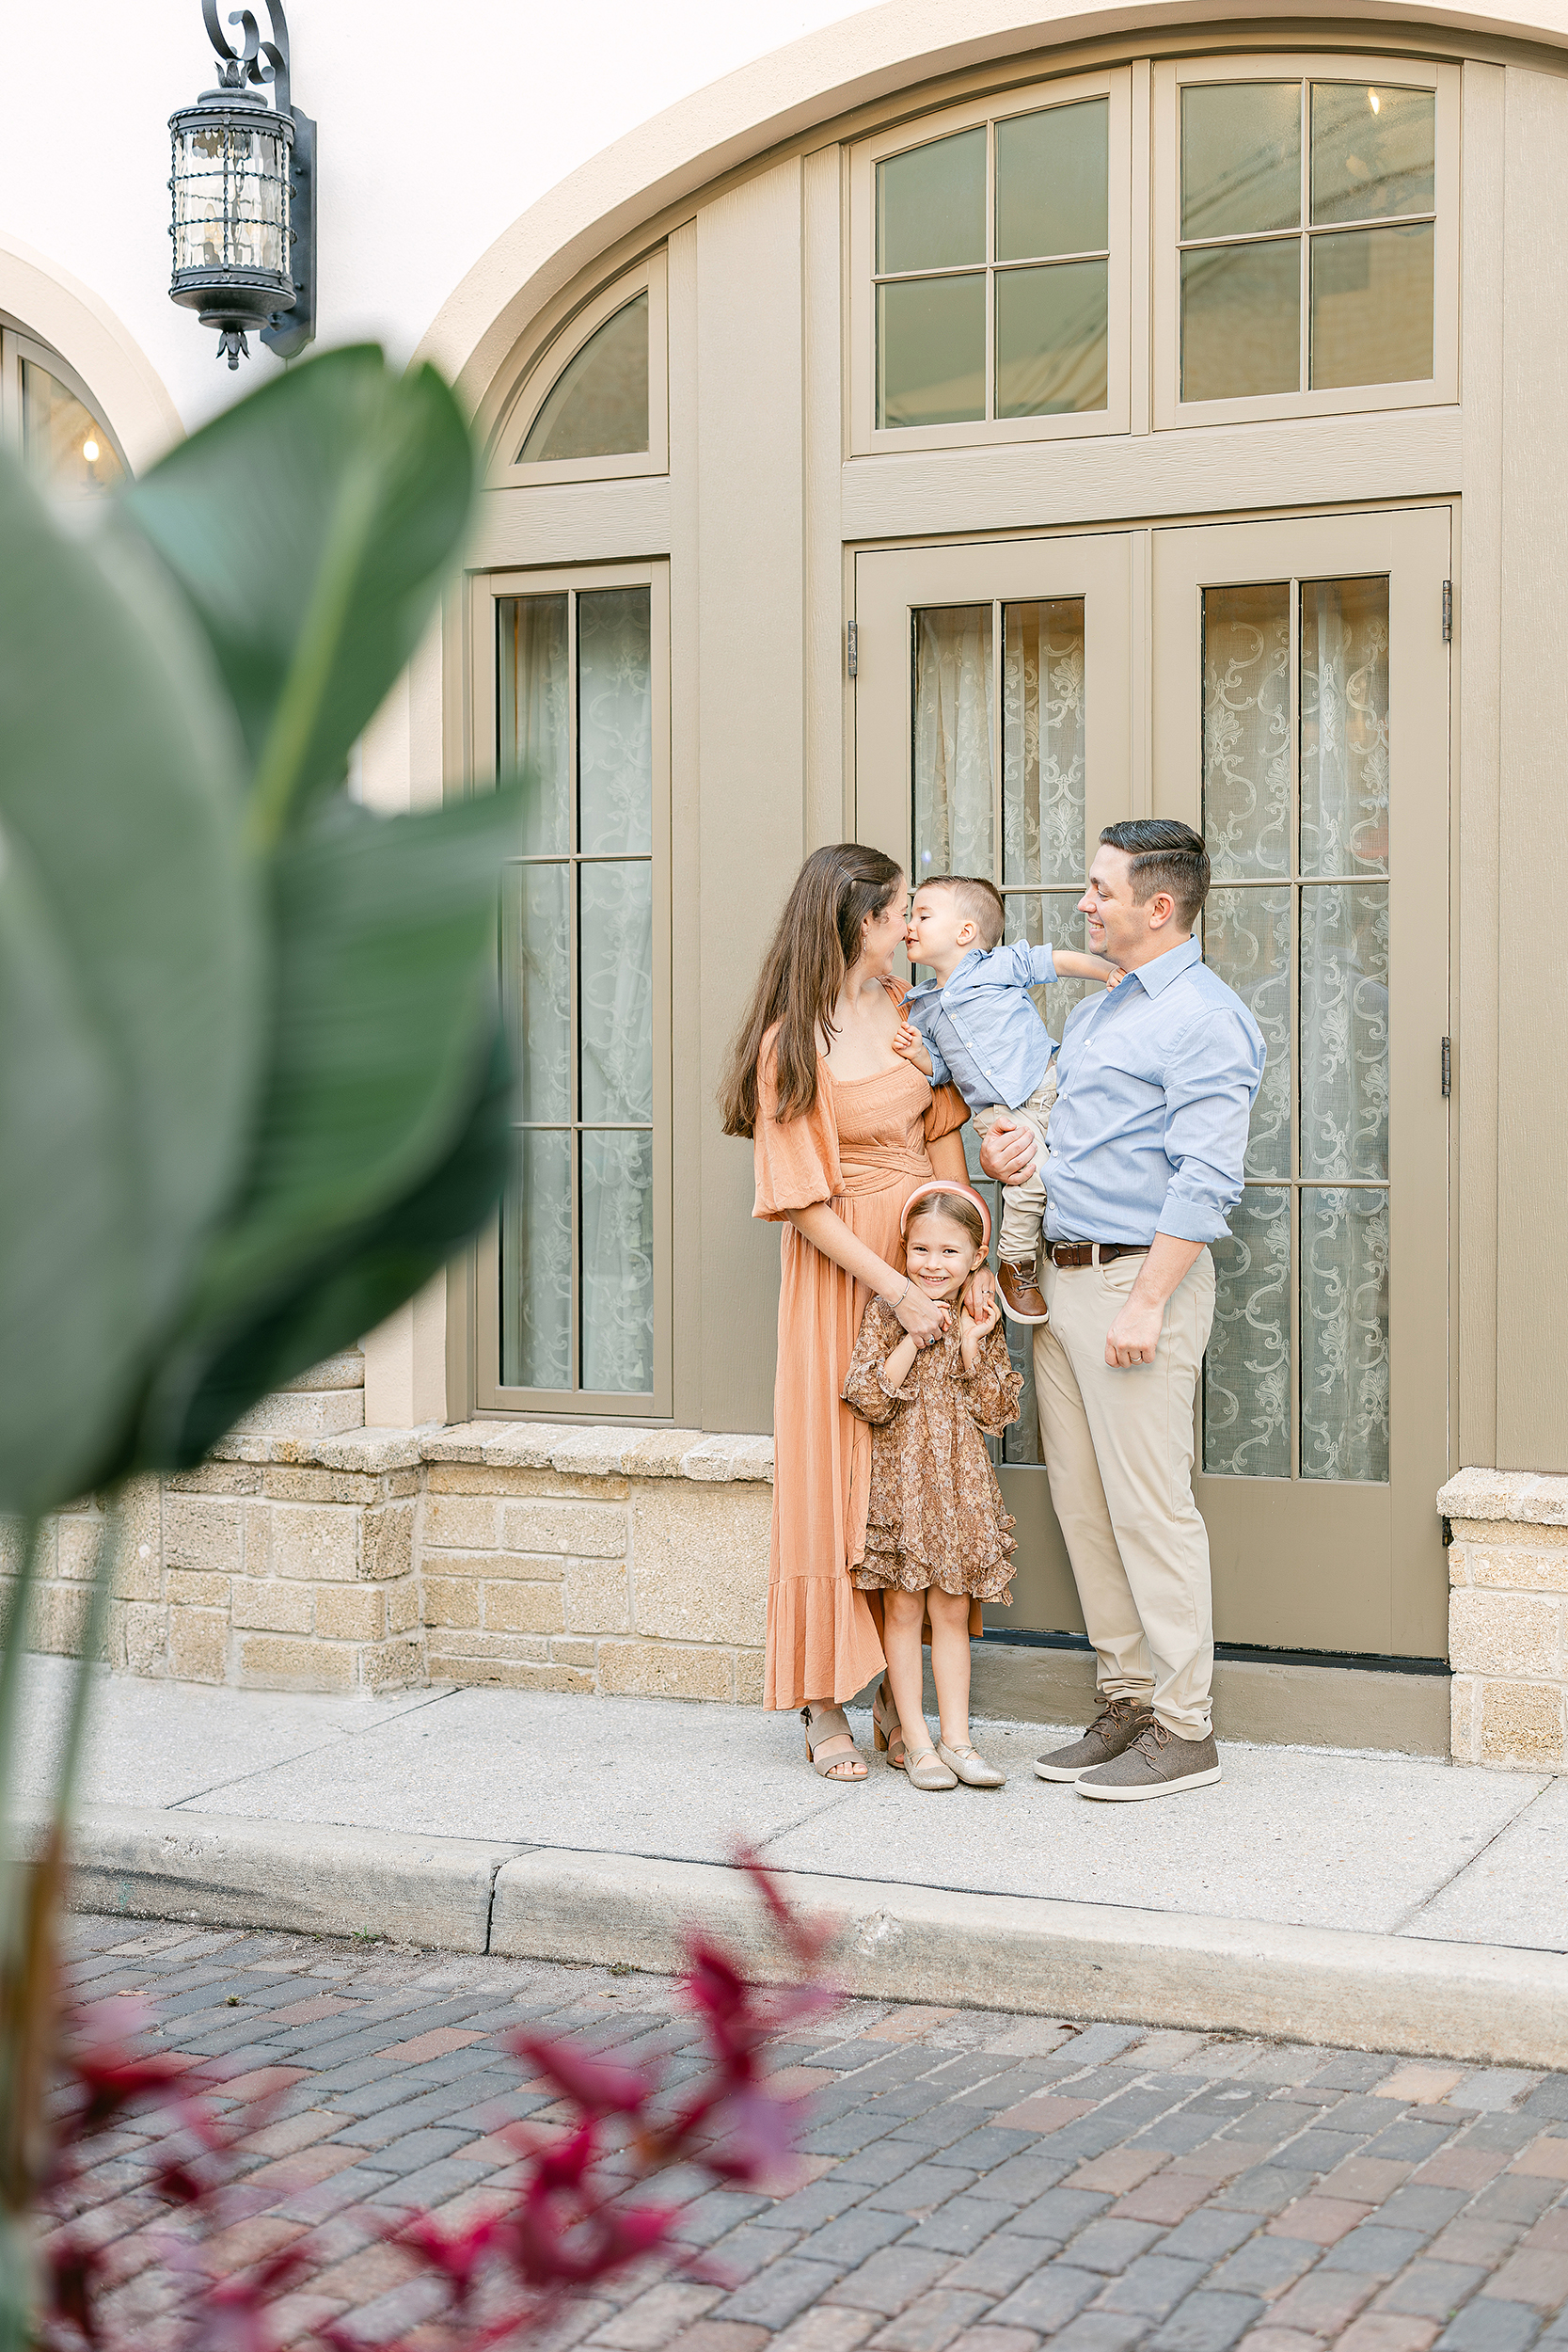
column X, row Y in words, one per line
column 1155, row 1085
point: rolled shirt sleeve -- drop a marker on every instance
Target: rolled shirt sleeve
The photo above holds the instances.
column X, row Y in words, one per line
column 1213, row 1074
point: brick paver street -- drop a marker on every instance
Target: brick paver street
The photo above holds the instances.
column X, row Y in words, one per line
column 978, row 2181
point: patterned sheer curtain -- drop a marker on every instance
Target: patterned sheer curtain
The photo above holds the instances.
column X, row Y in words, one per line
column 955, row 741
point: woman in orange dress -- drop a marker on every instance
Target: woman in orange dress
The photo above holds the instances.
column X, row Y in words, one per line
column 843, row 1131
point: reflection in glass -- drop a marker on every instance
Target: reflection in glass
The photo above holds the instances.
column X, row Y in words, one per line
column 1373, row 307
column 1344, row 726
column 1051, row 344
column 1246, row 940
column 1053, row 182
column 598, row 405
column 1373, row 151
column 953, row 740
column 536, row 1262
column 1344, row 1335
column 1246, row 730
column 931, row 205
column 616, row 952
column 1344, row 1030
column 534, row 716
column 536, row 964
column 1053, row 916
column 1240, row 157
column 60, row 439
column 615, row 722
column 1241, row 321
column 618, row 1263
column 1043, row 742
column 932, row 351
column 1247, row 1371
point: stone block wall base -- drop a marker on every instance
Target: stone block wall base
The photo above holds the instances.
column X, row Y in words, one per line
column 1508, row 1618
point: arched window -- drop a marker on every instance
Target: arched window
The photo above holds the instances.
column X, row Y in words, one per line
column 598, row 405
column 51, row 418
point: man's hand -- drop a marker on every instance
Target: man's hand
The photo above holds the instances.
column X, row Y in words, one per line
column 1008, row 1154
column 1135, row 1333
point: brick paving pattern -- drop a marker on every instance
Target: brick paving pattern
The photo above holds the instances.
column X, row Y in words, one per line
column 975, row 2182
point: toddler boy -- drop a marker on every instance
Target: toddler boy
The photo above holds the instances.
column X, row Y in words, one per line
column 974, row 1026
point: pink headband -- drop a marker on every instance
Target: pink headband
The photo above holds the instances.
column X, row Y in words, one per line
column 939, row 1183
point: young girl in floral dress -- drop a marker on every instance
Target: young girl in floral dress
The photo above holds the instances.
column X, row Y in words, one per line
column 936, row 1537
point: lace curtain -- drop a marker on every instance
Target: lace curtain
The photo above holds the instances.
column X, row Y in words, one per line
column 603, row 1169
column 1335, row 933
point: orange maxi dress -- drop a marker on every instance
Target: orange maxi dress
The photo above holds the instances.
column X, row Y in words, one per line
column 862, row 1149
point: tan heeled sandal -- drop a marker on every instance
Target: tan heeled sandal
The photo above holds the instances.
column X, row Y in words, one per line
column 831, row 1723
column 885, row 1728
column 924, row 1768
column 970, row 1766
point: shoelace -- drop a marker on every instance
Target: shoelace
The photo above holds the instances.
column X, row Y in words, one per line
column 1154, row 1740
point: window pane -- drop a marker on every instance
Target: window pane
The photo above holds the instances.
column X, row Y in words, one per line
column 61, row 440
column 1240, row 157
column 953, row 740
column 534, row 716
column 1043, row 742
column 618, row 1264
column 1247, row 1371
column 932, row 351
column 536, row 967
column 1344, row 726
column 1344, row 1030
column 1372, row 151
column 616, row 948
column 1344, row 1335
column 615, row 722
column 1371, row 306
column 1053, row 916
column 1052, row 351
column 1052, row 172
column 536, row 1263
column 931, row 205
column 1246, row 730
column 1241, row 321
column 598, row 405
column 1246, row 940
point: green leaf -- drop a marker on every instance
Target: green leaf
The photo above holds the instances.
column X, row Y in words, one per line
column 383, row 1023
column 130, row 951
column 311, row 527
column 365, row 1277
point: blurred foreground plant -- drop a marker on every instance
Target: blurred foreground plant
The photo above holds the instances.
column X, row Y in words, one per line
column 253, row 1087
column 577, row 2216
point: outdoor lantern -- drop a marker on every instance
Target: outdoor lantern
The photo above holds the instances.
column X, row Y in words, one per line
column 243, row 189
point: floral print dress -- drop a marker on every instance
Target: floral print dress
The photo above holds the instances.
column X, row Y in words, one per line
column 935, row 1514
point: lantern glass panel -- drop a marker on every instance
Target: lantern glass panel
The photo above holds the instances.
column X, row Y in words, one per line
column 230, row 197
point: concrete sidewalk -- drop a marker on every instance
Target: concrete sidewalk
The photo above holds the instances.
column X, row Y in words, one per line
column 557, row 1826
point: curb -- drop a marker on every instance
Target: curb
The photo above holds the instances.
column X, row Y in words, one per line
column 1484, row 2003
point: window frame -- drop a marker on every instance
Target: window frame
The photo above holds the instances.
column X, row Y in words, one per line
column 487, row 589
column 1171, row 76
column 866, row 438
column 17, row 344
column 539, row 379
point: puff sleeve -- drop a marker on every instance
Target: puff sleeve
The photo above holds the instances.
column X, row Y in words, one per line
column 795, row 1159
column 945, row 1114
column 864, row 1390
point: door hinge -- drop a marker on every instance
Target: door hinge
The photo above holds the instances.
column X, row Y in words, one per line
column 854, row 650
column 1448, row 612
column 1448, row 1066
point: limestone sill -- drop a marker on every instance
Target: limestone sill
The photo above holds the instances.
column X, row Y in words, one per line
column 607, row 1452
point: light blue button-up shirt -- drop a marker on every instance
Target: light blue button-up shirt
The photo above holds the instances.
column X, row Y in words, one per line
column 1155, row 1087
column 983, row 1031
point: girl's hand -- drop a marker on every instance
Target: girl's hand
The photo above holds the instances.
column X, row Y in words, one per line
column 977, row 1319
column 980, row 1293
column 924, row 1319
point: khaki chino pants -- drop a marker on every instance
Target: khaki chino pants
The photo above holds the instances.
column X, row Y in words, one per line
column 1119, row 1448
column 1023, row 1205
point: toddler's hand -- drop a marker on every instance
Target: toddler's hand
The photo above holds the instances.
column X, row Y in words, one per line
column 1116, row 979
column 906, row 1038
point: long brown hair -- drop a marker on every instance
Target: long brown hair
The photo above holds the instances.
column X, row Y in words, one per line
column 819, row 938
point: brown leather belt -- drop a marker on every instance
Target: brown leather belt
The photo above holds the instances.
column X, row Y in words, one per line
column 1094, row 1252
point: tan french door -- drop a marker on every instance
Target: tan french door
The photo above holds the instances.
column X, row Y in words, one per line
column 1295, row 682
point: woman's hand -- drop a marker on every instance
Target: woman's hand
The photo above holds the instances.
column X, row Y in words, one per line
column 924, row 1319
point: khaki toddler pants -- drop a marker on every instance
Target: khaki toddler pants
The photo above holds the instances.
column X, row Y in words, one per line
column 1119, row 1448
column 1023, row 1205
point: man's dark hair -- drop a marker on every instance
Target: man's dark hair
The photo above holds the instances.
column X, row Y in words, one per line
column 1165, row 856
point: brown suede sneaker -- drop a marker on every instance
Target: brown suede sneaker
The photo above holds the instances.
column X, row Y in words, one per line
column 1021, row 1300
column 1158, row 1764
column 1122, row 1723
